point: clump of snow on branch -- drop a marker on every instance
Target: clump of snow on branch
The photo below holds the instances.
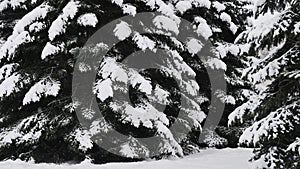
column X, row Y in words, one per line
column 295, row 146
column 212, row 139
column 88, row 19
column 136, row 79
column 50, row 49
column 12, row 84
column 11, row 3
column 133, row 149
column 183, row 6
column 122, row 30
column 118, row 2
column 20, row 35
column 224, row 48
column 194, row 46
column 297, row 28
column 246, row 108
column 103, row 89
column 161, row 95
column 36, row 27
column 43, row 88
column 203, row 28
column 110, row 68
column 220, row 7
column 28, row 130
column 225, row 98
column 165, row 23
column 140, row 115
column 272, row 69
column 129, row 9
column 226, row 18
column 161, row 6
column 144, row 42
column 262, row 25
column 58, row 26
column 7, row 70
column 216, row 63
column 279, row 121
column 83, row 138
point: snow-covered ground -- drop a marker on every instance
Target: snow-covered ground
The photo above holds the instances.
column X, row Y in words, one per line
column 207, row 159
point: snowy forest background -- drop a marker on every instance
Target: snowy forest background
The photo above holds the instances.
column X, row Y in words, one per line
column 256, row 43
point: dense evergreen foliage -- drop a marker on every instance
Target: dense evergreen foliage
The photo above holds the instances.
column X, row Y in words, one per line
column 255, row 42
column 41, row 40
column 273, row 107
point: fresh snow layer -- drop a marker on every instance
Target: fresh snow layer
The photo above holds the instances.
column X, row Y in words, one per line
column 58, row 27
column 122, row 30
column 206, row 159
column 88, row 19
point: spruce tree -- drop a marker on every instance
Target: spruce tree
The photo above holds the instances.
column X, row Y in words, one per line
column 273, row 105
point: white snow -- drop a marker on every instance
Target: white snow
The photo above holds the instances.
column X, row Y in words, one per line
column 262, row 25
column 50, row 49
column 83, row 67
column 197, row 117
column 166, row 23
column 295, row 146
column 220, row 7
column 11, row 3
column 293, row 74
column 129, row 9
column 36, row 27
column 297, row 28
column 270, row 70
column 183, row 6
column 133, row 148
column 88, row 19
column 194, row 45
column 12, row 43
column 162, row 7
column 212, row 139
column 202, row 3
column 203, row 28
column 143, row 115
column 234, row 49
column 225, row 98
column 99, row 126
column 84, row 139
column 216, row 63
column 39, row 12
column 161, row 96
column 103, row 89
column 58, row 26
column 144, row 85
column 28, row 130
column 248, row 107
column 118, row 2
column 9, row 85
column 206, row 159
column 7, row 70
column 280, row 120
column 122, row 30
column 45, row 87
column 170, row 144
column 233, row 27
column 110, row 67
column 226, row 18
column 144, row 42
column 20, row 35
